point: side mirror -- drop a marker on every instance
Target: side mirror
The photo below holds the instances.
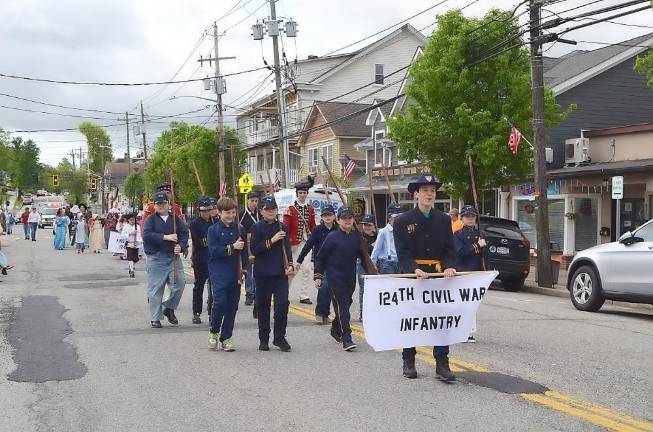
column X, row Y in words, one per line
column 625, row 236
column 631, row 240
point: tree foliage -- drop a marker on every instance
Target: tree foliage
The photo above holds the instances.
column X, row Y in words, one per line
column 455, row 109
column 135, row 187
column 22, row 163
column 644, row 65
column 177, row 148
column 99, row 146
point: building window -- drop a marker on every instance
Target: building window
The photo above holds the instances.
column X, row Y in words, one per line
column 526, row 219
column 313, row 155
column 378, row 148
column 378, row 74
column 327, row 152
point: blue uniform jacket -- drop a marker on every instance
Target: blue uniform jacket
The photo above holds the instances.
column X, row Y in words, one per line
column 418, row 237
column 223, row 258
column 269, row 256
column 315, row 241
column 199, row 229
column 469, row 254
column 154, row 230
column 337, row 257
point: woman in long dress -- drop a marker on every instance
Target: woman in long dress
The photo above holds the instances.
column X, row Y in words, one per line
column 96, row 234
column 60, row 229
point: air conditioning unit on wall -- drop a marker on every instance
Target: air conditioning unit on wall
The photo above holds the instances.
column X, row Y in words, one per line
column 577, row 151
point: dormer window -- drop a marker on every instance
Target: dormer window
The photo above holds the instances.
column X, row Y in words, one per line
column 378, row 74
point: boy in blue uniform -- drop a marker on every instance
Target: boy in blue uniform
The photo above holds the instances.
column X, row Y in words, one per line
column 314, row 243
column 227, row 263
column 248, row 217
column 199, row 234
column 469, row 246
column 271, row 247
column 337, row 258
column 162, row 247
column 424, row 244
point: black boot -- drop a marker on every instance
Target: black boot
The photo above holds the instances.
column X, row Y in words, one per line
column 263, row 345
column 409, row 368
column 197, row 319
column 442, row 370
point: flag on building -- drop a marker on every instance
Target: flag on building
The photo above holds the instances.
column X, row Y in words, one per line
column 348, row 166
column 277, row 179
column 513, row 141
column 223, row 189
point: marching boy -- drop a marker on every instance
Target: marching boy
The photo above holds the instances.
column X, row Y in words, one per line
column 271, row 248
column 314, row 243
column 199, row 229
column 337, row 258
column 227, row 262
column 469, row 246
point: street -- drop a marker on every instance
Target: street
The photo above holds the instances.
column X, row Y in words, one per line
column 77, row 354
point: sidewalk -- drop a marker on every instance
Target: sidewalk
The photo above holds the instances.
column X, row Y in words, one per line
column 560, row 290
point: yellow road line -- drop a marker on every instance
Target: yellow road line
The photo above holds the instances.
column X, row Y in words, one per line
column 591, row 413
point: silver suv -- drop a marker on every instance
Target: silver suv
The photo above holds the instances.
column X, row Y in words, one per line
column 621, row 270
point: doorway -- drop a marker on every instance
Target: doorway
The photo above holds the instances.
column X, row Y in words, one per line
column 632, row 216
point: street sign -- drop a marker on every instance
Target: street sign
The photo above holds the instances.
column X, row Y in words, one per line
column 617, row 187
column 245, row 180
column 245, row 189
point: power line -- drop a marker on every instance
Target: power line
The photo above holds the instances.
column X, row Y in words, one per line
column 58, row 106
column 53, row 113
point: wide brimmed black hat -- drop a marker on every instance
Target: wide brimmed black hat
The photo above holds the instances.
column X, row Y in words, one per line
column 424, row 179
column 305, row 184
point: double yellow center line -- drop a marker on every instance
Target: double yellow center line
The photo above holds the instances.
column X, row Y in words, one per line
column 594, row 414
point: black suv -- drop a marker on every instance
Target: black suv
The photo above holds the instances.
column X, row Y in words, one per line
column 507, row 251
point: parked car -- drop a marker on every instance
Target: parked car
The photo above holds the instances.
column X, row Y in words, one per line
column 507, row 251
column 619, row 270
column 28, row 199
column 47, row 216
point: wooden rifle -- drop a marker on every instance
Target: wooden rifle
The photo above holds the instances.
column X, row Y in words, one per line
column 478, row 215
column 175, row 267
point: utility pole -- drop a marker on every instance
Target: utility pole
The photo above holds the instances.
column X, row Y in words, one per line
column 72, row 153
column 541, row 197
column 129, row 156
column 143, row 132
column 220, row 88
column 273, row 30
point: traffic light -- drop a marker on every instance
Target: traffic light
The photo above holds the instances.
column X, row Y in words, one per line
column 55, row 180
column 94, row 184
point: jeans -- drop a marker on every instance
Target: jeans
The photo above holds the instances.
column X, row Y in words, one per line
column 160, row 271
column 250, row 284
column 323, row 306
column 10, row 228
column 388, row 267
column 225, row 306
column 360, row 272
column 33, row 226
column 342, row 300
column 269, row 286
column 26, row 230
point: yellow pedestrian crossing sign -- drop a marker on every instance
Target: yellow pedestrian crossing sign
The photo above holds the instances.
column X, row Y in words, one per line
column 245, row 183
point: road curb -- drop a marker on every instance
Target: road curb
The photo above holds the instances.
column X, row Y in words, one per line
column 563, row 293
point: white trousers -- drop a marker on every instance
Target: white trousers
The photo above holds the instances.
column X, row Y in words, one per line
column 302, row 280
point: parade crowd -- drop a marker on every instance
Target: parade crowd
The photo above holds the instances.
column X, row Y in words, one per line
column 267, row 252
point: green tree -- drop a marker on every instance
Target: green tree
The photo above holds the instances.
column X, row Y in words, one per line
column 455, row 109
column 135, row 188
column 644, row 65
column 23, row 163
column 74, row 181
column 176, row 150
column 99, row 146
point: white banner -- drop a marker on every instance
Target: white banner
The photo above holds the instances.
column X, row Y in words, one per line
column 408, row 312
column 117, row 243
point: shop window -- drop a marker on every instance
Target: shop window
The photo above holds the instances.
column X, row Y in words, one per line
column 526, row 220
column 586, row 221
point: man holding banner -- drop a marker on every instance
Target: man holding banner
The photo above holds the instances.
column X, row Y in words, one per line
column 424, row 244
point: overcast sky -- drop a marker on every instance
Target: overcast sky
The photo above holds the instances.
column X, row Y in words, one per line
column 149, row 40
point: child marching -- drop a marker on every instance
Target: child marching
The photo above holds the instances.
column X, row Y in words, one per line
column 199, row 229
column 133, row 239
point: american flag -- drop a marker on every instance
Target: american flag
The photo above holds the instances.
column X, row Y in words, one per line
column 515, row 137
column 348, row 166
column 223, row 189
column 277, row 179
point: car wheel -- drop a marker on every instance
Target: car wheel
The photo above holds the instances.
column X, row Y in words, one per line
column 513, row 284
column 585, row 290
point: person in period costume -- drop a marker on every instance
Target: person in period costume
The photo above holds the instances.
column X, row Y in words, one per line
column 81, row 233
column 271, row 249
column 164, row 265
column 228, row 260
column 60, row 229
column 248, row 217
column 424, row 244
column 313, row 245
column 300, row 220
column 96, row 234
column 199, row 229
column 469, row 247
column 369, row 235
column 133, row 239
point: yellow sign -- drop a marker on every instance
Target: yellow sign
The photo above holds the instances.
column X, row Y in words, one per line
column 245, row 181
column 245, row 189
column 55, row 180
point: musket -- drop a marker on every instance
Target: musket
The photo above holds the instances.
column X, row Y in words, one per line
column 370, row 269
column 197, row 175
column 233, row 184
column 324, row 187
column 372, row 203
column 175, row 269
column 478, row 216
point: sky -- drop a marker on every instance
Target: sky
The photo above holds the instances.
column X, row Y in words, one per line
column 161, row 40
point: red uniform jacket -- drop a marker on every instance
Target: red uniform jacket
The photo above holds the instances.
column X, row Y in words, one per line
column 291, row 220
column 150, row 210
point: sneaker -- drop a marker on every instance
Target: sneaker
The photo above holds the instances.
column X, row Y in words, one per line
column 337, row 336
column 348, row 345
column 214, row 338
column 305, row 301
column 196, row 319
column 471, row 339
column 132, row 274
column 170, row 314
column 263, row 346
column 155, row 324
column 282, row 344
column 319, row 319
column 228, row 345
column 442, row 370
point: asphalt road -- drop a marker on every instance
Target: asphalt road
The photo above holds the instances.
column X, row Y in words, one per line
column 77, row 354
